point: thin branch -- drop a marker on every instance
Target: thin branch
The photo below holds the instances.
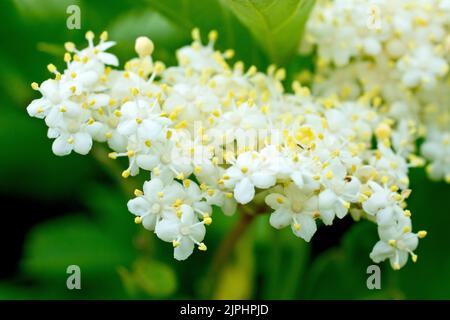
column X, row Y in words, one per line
column 223, row 253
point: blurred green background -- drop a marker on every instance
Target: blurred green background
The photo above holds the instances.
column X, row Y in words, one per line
column 72, row 210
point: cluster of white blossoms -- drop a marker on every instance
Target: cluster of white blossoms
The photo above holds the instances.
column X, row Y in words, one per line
column 215, row 134
column 397, row 54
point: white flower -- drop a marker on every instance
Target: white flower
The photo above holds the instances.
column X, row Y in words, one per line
column 155, row 202
column 246, row 174
column 294, row 208
column 133, row 113
column 384, row 204
column 396, row 244
column 183, row 232
column 54, row 102
column 340, row 190
column 96, row 51
column 80, row 142
column 212, row 134
column 390, row 164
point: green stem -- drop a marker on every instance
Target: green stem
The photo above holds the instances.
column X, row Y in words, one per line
column 228, row 244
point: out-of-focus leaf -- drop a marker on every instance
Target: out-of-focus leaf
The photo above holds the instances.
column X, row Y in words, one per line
column 341, row 272
column 154, row 278
column 132, row 24
column 208, row 15
column 283, row 263
column 277, row 25
column 72, row 240
column 29, row 156
column 109, row 207
column 237, row 277
column 44, row 9
column 429, row 278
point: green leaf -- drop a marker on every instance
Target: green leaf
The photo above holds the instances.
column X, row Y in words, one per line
column 109, row 207
column 44, row 9
column 341, row 272
column 236, row 279
column 208, row 15
column 277, row 25
column 283, row 262
column 166, row 36
column 29, row 155
column 429, row 277
column 154, row 278
column 72, row 240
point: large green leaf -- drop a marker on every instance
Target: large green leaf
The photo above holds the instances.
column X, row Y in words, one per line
column 208, row 15
column 72, row 240
column 277, row 25
column 341, row 272
column 429, row 278
column 166, row 35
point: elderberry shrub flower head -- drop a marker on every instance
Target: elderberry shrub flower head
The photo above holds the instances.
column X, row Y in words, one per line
column 208, row 133
column 395, row 53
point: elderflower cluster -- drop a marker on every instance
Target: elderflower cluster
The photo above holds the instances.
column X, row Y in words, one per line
column 213, row 134
column 397, row 54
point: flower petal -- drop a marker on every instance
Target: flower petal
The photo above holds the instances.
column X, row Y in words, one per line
column 244, row 191
column 280, row 218
column 168, row 229
column 184, row 250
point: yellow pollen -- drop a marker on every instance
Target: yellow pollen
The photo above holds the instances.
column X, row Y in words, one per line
column 112, row 155
column 126, row 173
column 138, row 220
column 175, row 243
column 104, row 36
column 202, row 247
column 89, row 35
column 195, row 33
column 207, row 220
column 180, row 176
column 422, row 234
column 69, row 46
column 228, row 54
column 394, row 188
column 134, row 91
column 212, row 36
column 67, row 57
column 51, row 67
